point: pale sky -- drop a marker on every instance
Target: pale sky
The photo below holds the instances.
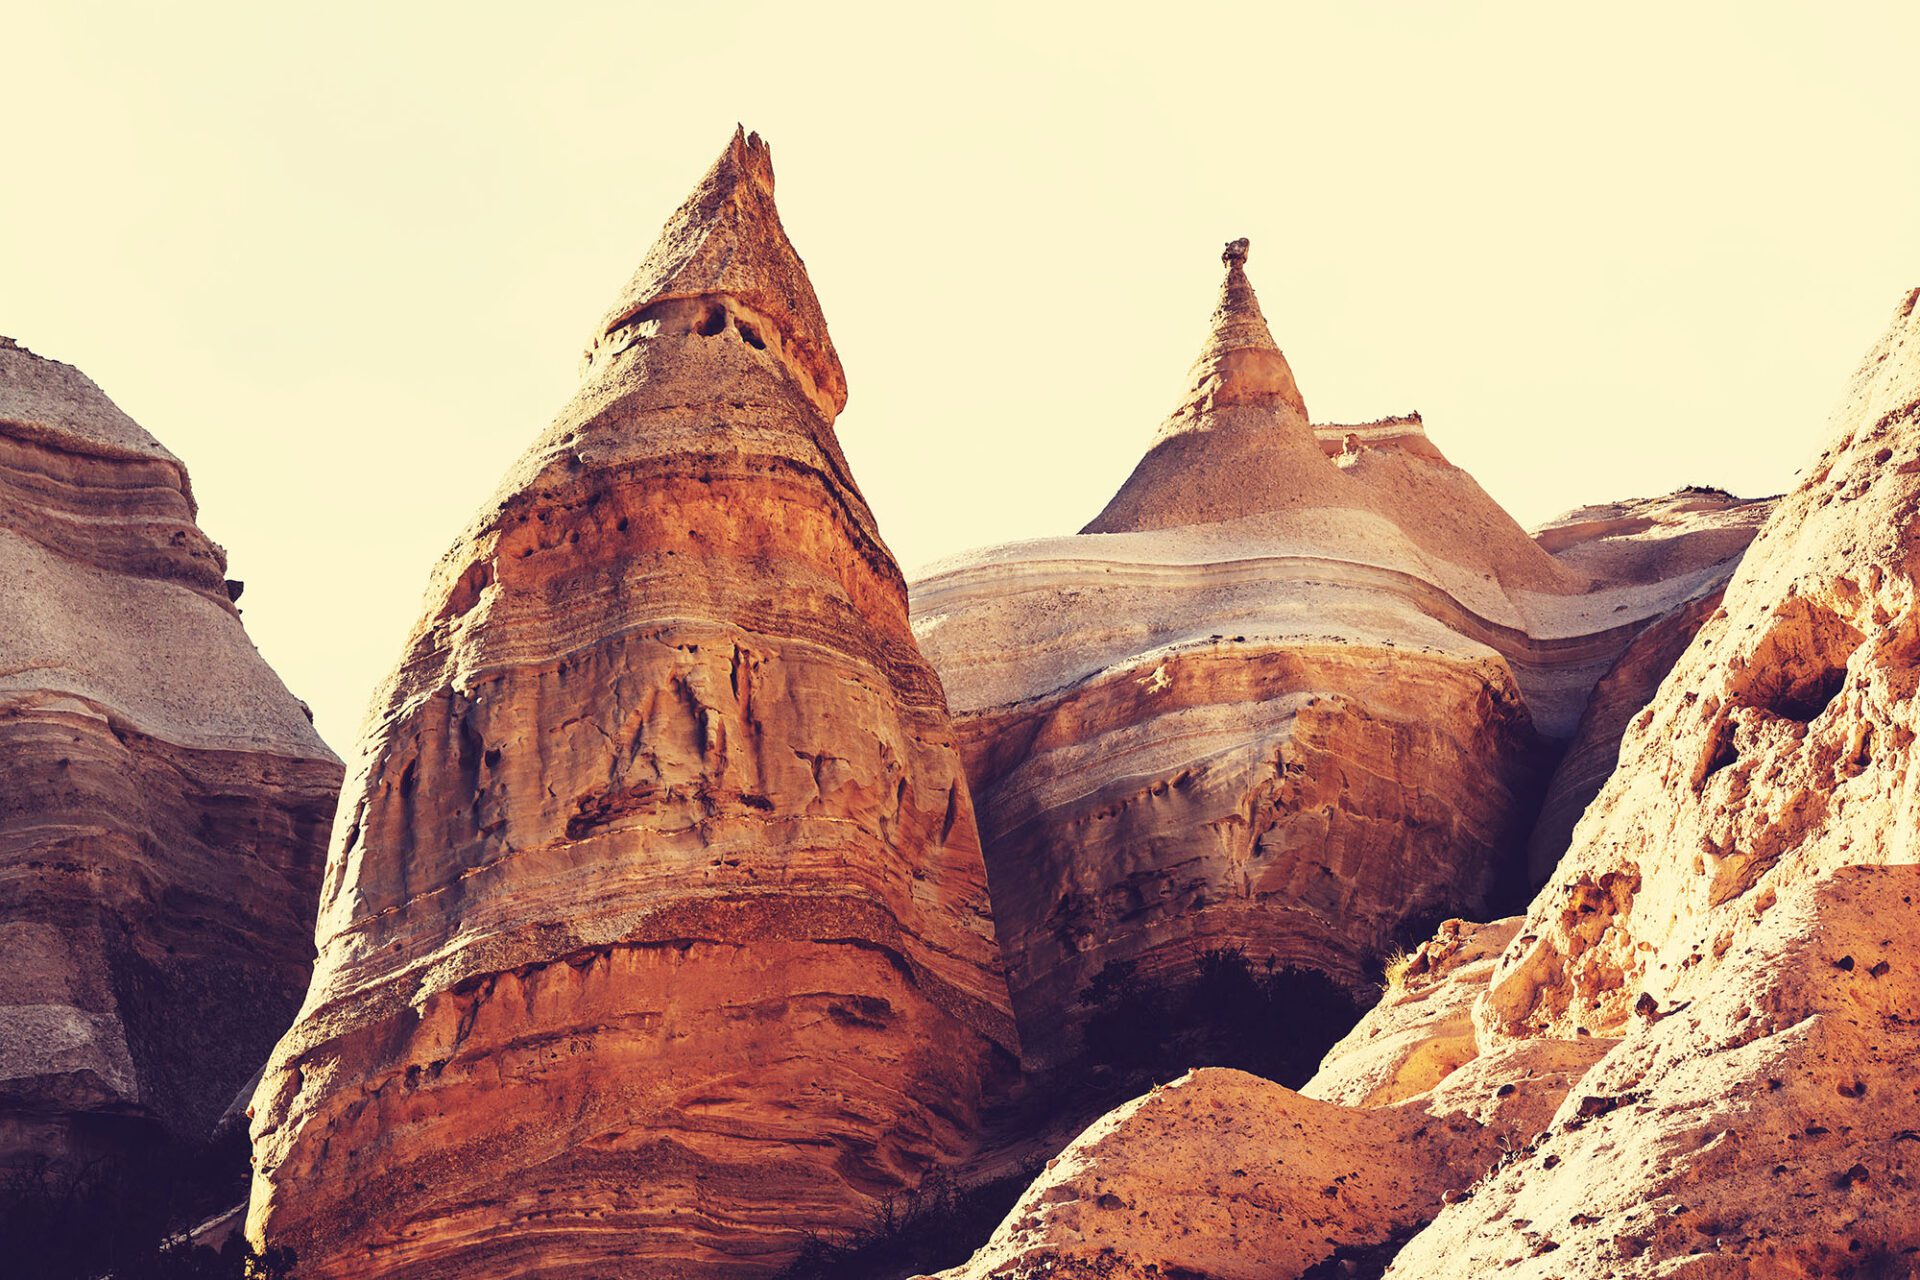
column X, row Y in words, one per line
column 342, row 259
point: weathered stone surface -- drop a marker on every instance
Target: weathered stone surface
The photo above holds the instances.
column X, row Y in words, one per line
column 1648, row 541
column 1293, row 691
column 1420, row 1043
column 655, row 929
column 1728, row 911
column 1766, row 1124
column 164, row 800
column 1776, row 751
column 1421, row 1031
column 1225, row 1176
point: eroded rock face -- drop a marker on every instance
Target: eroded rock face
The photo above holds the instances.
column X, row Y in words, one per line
column 164, row 800
column 1295, row 691
column 1421, row 1032
column 1765, row 1125
column 655, row 930
column 1693, row 1051
column 1776, row 751
column 1735, row 910
column 1226, row 1176
column 1697, row 536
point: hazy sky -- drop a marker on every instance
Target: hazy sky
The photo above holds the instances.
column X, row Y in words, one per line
column 343, row 259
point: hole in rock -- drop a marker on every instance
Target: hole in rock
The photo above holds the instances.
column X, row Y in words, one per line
column 1719, row 754
column 752, row 336
column 1800, row 666
column 714, row 324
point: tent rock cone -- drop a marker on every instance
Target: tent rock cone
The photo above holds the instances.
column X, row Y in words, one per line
column 1293, row 692
column 1695, row 1046
column 655, row 930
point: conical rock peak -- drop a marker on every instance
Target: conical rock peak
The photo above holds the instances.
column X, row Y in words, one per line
column 1240, row 363
column 723, row 260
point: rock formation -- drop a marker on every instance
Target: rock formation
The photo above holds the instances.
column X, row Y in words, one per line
column 1295, row 690
column 1227, row 1176
column 1694, row 1048
column 164, row 800
column 1726, row 912
column 1695, row 536
column 655, row 930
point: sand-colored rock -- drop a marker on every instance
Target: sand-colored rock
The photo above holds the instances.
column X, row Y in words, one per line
column 1419, row 1043
column 164, row 799
column 1646, row 541
column 1693, row 1051
column 1767, row 1124
column 655, row 929
column 1776, row 751
column 1295, row 690
column 1735, row 909
column 1225, row 1176
column 1421, row 1031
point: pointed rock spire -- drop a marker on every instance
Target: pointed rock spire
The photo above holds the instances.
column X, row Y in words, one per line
column 1240, row 443
column 723, row 260
column 662, row 777
column 1240, row 362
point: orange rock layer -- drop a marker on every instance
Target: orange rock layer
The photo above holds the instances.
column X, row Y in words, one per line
column 655, row 933
column 1694, row 1049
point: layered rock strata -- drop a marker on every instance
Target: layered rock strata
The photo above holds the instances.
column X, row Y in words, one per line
column 164, row 799
column 1294, row 691
column 655, row 930
column 1694, row 1047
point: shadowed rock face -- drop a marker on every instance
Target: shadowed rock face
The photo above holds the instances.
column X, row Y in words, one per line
column 1296, row 689
column 655, row 930
column 164, row 800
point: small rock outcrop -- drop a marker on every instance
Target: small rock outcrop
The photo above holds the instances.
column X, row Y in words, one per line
column 1228, row 1176
column 655, row 931
column 1294, row 692
column 164, row 800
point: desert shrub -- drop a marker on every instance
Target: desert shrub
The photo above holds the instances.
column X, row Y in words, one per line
column 1393, row 973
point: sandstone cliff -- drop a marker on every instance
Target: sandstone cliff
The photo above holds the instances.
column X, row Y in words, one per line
column 164, row 800
column 655, row 929
column 1294, row 691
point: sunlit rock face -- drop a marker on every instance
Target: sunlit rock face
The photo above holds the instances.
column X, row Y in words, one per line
column 655, row 930
column 1736, row 907
column 1695, row 536
column 164, row 800
column 1295, row 691
column 1228, row 1176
